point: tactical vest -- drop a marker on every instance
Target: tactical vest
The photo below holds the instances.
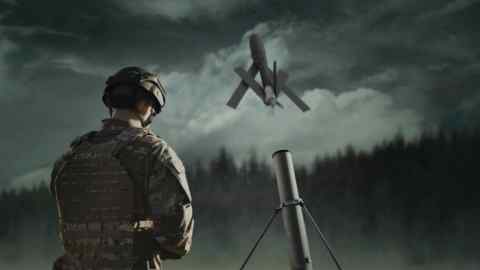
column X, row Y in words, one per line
column 97, row 209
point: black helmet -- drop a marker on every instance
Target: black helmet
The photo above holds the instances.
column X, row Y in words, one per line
column 142, row 79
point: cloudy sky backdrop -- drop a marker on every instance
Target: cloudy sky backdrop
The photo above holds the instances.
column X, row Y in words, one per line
column 368, row 69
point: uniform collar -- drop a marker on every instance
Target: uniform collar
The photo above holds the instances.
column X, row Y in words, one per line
column 114, row 123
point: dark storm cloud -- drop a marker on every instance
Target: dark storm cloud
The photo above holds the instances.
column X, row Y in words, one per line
column 54, row 56
column 425, row 53
column 106, row 33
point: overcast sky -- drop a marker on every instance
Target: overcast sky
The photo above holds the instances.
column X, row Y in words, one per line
column 367, row 68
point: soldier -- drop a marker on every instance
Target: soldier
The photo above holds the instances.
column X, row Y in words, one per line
column 122, row 196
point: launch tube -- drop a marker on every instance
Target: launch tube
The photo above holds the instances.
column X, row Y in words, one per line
column 292, row 213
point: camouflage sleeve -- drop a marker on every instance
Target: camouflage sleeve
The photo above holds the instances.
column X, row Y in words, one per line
column 170, row 202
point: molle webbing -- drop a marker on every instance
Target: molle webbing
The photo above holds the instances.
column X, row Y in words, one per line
column 94, row 185
column 97, row 204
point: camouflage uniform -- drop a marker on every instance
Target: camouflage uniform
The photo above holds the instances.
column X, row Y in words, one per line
column 123, row 200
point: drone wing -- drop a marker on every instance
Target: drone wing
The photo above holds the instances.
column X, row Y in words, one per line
column 279, row 104
column 282, row 87
column 249, row 80
column 241, row 88
column 295, row 99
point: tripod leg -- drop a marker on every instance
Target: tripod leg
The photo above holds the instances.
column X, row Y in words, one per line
column 265, row 230
column 324, row 240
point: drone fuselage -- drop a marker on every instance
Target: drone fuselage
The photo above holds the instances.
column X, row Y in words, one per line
column 259, row 58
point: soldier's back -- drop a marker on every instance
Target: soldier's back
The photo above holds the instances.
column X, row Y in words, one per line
column 99, row 187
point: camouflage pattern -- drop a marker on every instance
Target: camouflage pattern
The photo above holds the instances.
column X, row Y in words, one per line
column 123, row 200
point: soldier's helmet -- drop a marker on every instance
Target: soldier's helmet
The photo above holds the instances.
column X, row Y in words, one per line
column 141, row 81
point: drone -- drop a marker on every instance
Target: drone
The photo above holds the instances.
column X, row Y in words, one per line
column 273, row 82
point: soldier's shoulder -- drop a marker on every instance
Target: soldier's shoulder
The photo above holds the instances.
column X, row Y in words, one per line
column 84, row 137
column 170, row 158
column 165, row 155
column 162, row 151
column 152, row 138
column 167, row 158
column 155, row 142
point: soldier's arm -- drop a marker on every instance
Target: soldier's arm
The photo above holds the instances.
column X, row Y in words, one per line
column 170, row 201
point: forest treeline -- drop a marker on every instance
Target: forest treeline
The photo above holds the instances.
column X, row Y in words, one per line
column 424, row 189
